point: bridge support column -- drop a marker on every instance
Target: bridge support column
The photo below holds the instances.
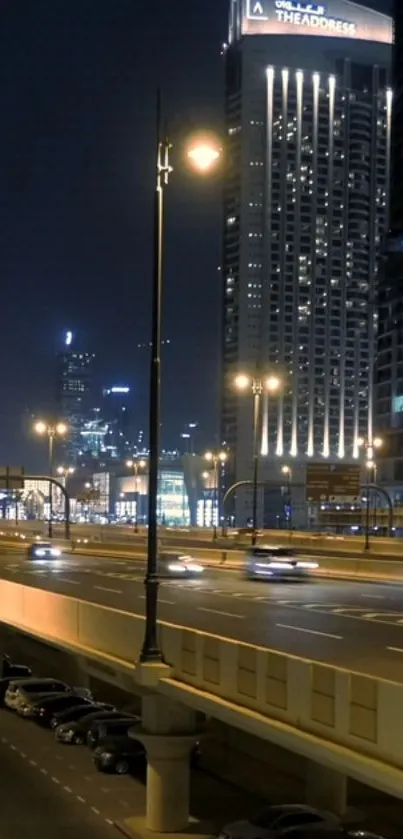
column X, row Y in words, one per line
column 326, row 788
column 168, row 734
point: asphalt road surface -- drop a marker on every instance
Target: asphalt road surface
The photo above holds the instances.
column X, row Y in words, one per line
column 349, row 624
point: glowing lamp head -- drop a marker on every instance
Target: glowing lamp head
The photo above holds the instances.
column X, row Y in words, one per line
column 40, row 427
column 129, row 463
column 378, row 443
column 222, row 457
column 273, row 384
column 242, row 382
column 209, row 456
column 286, row 470
column 203, row 155
column 61, row 428
column 142, row 464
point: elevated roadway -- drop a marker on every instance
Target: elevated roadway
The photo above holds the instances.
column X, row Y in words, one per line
column 354, row 625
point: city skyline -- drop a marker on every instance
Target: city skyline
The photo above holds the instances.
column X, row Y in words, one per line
column 77, row 204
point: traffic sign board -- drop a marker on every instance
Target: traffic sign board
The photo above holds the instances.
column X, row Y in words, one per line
column 333, row 482
column 11, row 477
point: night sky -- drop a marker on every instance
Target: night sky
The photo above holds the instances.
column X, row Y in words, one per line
column 77, row 92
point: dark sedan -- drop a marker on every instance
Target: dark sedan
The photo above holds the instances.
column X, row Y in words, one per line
column 76, row 732
column 105, row 729
column 75, row 712
column 119, row 757
column 44, row 711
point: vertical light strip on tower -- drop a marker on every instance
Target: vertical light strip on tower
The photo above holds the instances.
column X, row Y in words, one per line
column 283, row 215
column 267, row 250
column 299, row 78
column 314, row 205
column 329, row 245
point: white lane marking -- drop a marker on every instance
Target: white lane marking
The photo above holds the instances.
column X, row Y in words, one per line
column 217, row 612
column 395, row 649
column 374, row 596
column 44, row 771
column 80, row 798
column 55, row 780
column 33, row 763
column 67, row 789
column 23, row 755
column 13, row 748
column 160, row 600
column 310, row 631
column 70, row 582
column 111, row 590
column 97, row 812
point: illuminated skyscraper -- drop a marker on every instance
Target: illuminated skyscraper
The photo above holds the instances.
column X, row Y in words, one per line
column 308, row 109
column 74, row 394
column 389, row 390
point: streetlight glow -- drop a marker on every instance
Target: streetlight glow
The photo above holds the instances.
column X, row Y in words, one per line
column 40, row 427
column 203, row 156
column 61, row 428
column 378, row 443
column 242, row 381
column 273, row 384
column 209, row 456
column 286, row 470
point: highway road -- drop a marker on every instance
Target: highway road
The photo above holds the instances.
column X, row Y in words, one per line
column 349, row 624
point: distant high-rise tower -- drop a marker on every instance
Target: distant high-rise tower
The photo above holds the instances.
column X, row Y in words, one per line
column 389, row 386
column 308, row 110
column 74, row 394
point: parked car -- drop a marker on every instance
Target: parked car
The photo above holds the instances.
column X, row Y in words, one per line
column 105, row 729
column 75, row 713
column 279, row 820
column 43, row 550
column 76, row 732
column 44, row 710
column 9, row 669
column 23, row 693
column 179, row 565
column 276, row 563
column 120, row 755
column 4, row 684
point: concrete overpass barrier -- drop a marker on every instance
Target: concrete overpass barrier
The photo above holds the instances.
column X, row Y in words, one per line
column 307, row 707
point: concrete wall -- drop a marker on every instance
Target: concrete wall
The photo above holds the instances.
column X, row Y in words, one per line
column 335, row 716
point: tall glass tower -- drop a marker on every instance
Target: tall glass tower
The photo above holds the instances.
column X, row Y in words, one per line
column 308, row 110
column 389, row 381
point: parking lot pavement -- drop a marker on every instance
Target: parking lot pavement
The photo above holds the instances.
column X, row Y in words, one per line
column 71, row 768
column 113, row 798
column 33, row 804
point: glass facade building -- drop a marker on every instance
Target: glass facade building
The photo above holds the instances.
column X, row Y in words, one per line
column 74, row 397
column 389, row 380
column 308, row 111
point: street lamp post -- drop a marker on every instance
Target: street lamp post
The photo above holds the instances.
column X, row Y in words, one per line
column 136, row 464
column 51, row 430
column 257, row 385
column 286, row 470
column 216, row 458
column 202, row 156
column 370, row 447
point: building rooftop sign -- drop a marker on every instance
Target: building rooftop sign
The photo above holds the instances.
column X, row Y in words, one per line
column 335, row 18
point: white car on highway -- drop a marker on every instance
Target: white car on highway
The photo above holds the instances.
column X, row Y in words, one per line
column 178, row 565
column 274, row 562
